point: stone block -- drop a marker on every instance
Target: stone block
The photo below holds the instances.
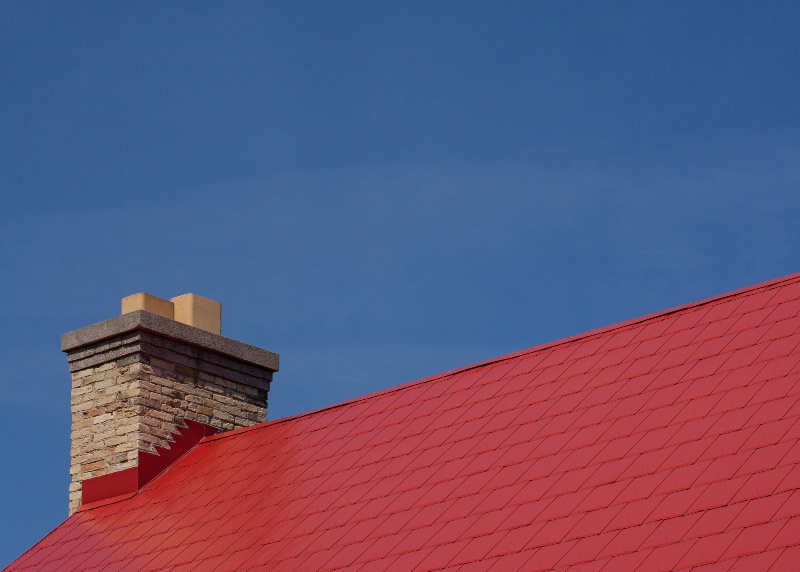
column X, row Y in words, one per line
column 148, row 303
column 199, row 312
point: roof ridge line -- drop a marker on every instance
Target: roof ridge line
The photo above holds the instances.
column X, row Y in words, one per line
column 541, row 347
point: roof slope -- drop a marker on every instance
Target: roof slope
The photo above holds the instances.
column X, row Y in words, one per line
column 668, row 443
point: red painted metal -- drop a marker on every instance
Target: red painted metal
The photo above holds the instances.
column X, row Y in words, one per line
column 667, row 442
column 149, row 465
column 111, row 485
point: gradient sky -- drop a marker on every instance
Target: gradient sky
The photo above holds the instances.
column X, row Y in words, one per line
column 376, row 191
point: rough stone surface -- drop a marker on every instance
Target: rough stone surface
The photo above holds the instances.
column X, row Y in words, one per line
column 199, row 312
column 149, row 303
column 142, row 320
column 133, row 390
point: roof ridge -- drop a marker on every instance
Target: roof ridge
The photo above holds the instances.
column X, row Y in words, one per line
column 762, row 286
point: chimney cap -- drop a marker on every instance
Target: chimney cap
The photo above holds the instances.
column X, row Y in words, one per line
column 150, row 322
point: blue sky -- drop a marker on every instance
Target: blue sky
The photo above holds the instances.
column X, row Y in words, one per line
column 376, row 191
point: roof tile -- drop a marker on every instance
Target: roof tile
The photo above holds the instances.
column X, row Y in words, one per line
column 515, row 540
column 788, row 559
column 594, row 522
column 788, row 535
column 667, row 556
column 586, row 549
column 627, row 561
column 761, row 510
column 753, row 539
column 628, row 540
column 670, row 531
column 641, row 487
column 708, row 549
column 634, row 513
column 546, row 557
column 512, row 561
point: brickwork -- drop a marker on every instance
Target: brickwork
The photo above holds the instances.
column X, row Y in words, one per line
column 131, row 392
column 105, row 421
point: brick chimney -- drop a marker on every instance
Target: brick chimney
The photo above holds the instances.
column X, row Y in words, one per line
column 147, row 385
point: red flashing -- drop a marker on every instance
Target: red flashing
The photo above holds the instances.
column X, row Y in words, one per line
column 149, row 465
column 108, row 486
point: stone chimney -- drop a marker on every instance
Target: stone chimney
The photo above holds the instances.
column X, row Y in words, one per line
column 147, row 385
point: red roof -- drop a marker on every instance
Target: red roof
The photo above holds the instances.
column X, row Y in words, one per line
column 665, row 443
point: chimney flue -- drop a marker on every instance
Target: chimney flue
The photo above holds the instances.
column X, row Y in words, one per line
column 148, row 384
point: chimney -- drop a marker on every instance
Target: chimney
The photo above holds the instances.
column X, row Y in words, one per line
column 147, row 385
